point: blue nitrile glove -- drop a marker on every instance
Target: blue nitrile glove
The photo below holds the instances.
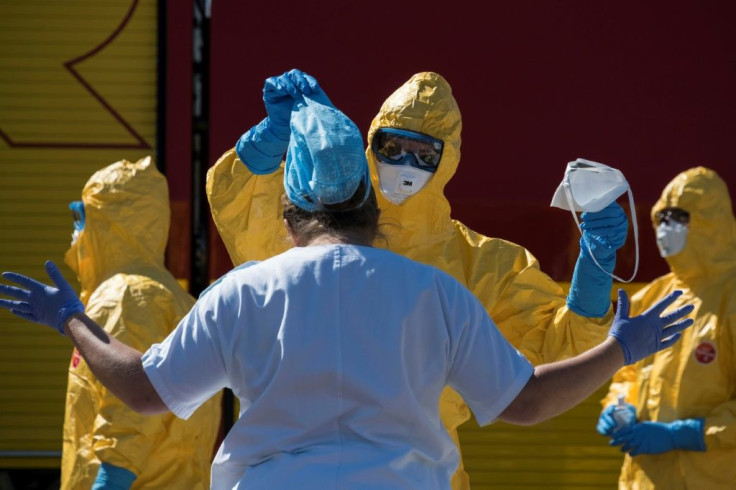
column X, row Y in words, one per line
column 604, row 232
column 643, row 335
column 661, row 437
column 111, row 477
column 607, row 424
column 40, row 303
column 262, row 147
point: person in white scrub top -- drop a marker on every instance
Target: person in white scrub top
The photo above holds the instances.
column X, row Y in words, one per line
column 338, row 351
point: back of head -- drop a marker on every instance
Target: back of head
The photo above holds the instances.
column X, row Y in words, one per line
column 326, row 177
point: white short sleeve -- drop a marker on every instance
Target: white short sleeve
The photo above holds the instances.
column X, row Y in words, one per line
column 187, row 368
column 486, row 369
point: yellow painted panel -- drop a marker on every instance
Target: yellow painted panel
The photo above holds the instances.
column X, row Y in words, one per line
column 44, row 104
column 564, row 452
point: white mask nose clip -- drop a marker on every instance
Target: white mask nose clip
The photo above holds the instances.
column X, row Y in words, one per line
column 590, row 186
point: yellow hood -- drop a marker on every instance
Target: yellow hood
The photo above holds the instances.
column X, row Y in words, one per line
column 711, row 239
column 126, row 208
column 425, row 104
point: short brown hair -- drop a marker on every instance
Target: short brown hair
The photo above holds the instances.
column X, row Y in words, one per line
column 336, row 219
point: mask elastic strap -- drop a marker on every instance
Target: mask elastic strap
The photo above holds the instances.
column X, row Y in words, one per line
column 570, row 203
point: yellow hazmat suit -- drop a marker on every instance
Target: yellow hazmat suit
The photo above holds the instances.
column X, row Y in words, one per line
column 696, row 378
column 119, row 260
column 526, row 304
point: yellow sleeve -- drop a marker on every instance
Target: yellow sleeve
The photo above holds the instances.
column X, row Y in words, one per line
column 529, row 308
column 246, row 209
column 720, row 422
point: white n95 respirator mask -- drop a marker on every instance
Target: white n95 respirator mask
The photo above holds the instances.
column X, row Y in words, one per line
column 671, row 238
column 398, row 182
column 589, row 186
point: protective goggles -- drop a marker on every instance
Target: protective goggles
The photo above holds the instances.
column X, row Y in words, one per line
column 77, row 208
column 401, row 147
column 672, row 214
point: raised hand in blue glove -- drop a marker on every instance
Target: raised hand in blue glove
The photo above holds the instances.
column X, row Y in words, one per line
column 262, row 147
column 40, row 303
column 604, row 232
column 279, row 94
column 607, row 424
column 661, row 437
column 650, row 332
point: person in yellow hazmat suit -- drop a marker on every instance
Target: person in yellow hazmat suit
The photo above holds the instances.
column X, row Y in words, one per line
column 120, row 232
column 681, row 426
column 413, row 151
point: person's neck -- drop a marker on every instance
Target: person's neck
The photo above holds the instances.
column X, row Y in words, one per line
column 346, row 239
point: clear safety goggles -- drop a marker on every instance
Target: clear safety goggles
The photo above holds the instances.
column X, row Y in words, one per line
column 401, row 147
column 77, row 208
column 672, row 214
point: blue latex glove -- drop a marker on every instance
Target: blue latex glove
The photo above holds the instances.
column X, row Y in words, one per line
column 279, row 94
column 604, row 232
column 40, row 303
column 111, row 477
column 650, row 332
column 606, row 423
column 262, row 147
column 660, row 437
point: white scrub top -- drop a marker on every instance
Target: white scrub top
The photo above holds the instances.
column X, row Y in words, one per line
column 338, row 355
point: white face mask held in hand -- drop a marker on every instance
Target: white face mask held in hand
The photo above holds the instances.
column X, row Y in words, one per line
column 589, row 187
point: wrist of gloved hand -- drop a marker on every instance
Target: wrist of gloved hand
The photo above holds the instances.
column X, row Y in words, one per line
column 111, row 477
column 688, row 434
column 262, row 147
column 590, row 288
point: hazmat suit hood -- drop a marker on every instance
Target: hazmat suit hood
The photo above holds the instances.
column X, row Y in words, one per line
column 711, row 238
column 127, row 215
column 424, row 104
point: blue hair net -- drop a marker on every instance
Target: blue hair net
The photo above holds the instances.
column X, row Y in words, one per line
column 326, row 161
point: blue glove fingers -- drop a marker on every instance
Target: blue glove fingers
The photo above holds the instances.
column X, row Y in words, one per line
column 271, row 90
column 13, row 292
column 661, row 305
column 55, row 274
column 643, row 335
column 288, row 86
column 16, row 306
column 299, row 78
column 677, row 314
column 606, row 423
column 25, row 281
column 611, row 211
column 312, row 82
column 606, row 228
column 623, row 305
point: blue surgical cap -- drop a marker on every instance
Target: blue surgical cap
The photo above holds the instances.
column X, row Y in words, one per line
column 326, row 161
